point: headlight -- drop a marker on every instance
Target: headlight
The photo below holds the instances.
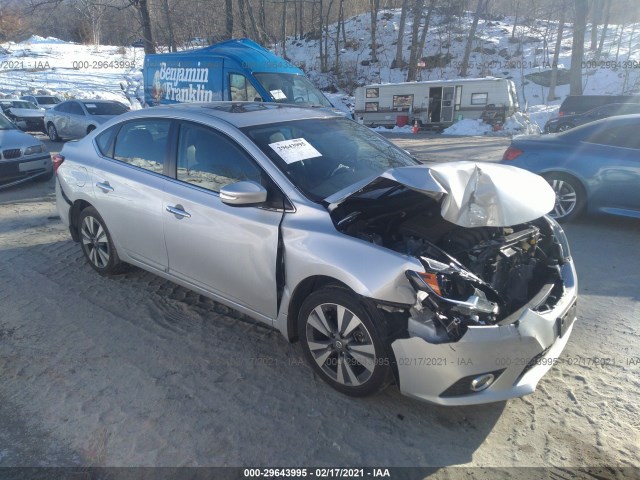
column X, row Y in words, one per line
column 35, row 149
column 560, row 236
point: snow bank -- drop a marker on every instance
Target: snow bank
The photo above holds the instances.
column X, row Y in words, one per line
column 395, row 129
column 540, row 114
column 468, row 127
column 520, row 124
column 39, row 39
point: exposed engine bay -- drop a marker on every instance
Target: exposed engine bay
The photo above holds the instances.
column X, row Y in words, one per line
column 473, row 276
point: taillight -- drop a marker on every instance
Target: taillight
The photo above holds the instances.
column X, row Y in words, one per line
column 56, row 160
column 512, row 153
column 560, row 113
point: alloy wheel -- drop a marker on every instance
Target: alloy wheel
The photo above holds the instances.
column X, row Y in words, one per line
column 566, row 198
column 95, row 242
column 340, row 344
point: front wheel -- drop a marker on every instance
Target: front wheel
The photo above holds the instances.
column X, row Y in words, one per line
column 96, row 242
column 341, row 342
column 564, row 127
column 571, row 197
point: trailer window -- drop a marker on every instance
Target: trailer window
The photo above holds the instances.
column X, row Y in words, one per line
column 402, row 102
column 372, row 93
column 241, row 90
column 371, row 106
column 479, row 98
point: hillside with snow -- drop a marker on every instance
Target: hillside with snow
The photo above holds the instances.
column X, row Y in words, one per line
column 50, row 65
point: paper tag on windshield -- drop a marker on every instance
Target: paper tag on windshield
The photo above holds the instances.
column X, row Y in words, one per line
column 90, row 105
column 295, row 150
column 278, row 94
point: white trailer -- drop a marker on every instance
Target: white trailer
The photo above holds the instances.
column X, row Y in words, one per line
column 436, row 104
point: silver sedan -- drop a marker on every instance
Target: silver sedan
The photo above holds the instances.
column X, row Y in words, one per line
column 75, row 118
column 449, row 281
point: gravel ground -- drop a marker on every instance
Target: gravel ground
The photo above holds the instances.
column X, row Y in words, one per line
column 134, row 370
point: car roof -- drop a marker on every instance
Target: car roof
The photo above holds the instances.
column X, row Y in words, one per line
column 239, row 114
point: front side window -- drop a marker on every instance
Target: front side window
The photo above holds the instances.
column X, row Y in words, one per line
column 625, row 136
column 211, row 160
column 241, row 89
column 143, row 143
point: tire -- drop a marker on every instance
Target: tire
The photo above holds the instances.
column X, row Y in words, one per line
column 97, row 244
column 53, row 133
column 563, row 127
column 341, row 339
column 571, row 197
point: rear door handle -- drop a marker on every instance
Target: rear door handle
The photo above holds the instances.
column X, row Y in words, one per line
column 179, row 211
column 105, row 187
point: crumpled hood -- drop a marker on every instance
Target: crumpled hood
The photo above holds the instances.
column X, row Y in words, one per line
column 474, row 194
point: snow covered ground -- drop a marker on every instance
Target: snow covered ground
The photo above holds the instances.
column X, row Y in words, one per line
column 52, row 66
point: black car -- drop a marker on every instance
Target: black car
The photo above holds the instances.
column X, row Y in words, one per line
column 566, row 122
column 575, row 104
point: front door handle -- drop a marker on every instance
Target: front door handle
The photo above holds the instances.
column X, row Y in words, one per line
column 178, row 210
column 105, row 187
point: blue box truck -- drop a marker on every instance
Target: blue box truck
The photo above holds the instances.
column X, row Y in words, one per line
column 237, row 70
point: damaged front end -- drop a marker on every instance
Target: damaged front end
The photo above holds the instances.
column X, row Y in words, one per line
column 491, row 297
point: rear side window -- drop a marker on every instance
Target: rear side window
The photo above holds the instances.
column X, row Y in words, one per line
column 241, row 89
column 143, row 143
column 625, row 136
column 75, row 109
column 62, row 108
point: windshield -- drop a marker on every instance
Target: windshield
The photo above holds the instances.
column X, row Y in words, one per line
column 324, row 156
column 48, row 100
column 5, row 123
column 24, row 104
column 105, row 108
column 292, row 88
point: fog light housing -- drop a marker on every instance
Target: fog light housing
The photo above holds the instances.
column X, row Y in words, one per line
column 482, row 382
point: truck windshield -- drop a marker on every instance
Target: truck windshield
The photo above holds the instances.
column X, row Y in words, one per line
column 291, row 88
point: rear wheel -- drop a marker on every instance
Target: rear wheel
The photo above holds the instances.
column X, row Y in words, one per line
column 341, row 342
column 571, row 197
column 96, row 242
column 53, row 133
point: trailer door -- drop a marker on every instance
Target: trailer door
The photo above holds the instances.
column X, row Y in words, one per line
column 446, row 112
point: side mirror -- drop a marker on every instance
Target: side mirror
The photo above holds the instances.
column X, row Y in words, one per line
column 243, row 193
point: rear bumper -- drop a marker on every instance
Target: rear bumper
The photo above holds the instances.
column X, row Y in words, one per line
column 518, row 355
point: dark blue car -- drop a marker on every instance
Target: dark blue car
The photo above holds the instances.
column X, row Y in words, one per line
column 594, row 167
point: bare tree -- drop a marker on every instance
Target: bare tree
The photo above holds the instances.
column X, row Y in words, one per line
column 482, row 5
column 374, row 6
column 556, row 56
column 398, row 62
column 596, row 16
column 169, row 23
column 228, row 19
column 603, row 34
column 415, row 29
column 577, row 52
column 425, row 28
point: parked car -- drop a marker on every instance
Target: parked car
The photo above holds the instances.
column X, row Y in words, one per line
column 567, row 122
column 25, row 115
column 22, row 156
column 75, row 118
column 594, row 167
column 42, row 101
column 381, row 267
column 576, row 104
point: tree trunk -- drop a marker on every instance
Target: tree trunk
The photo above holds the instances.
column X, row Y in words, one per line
column 145, row 21
column 339, row 25
column 375, row 6
column 323, row 66
column 243, row 19
column 482, row 4
column 325, row 35
column 515, row 21
column 263, row 29
column 577, row 53
column 556, row 56
column 228, row 19
column 603, row 34
column 425, row 29
column 167, row 18
column 415, row 29
column 596, row 15
column 258, row 35
column 398, row 62
column 283, row 31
